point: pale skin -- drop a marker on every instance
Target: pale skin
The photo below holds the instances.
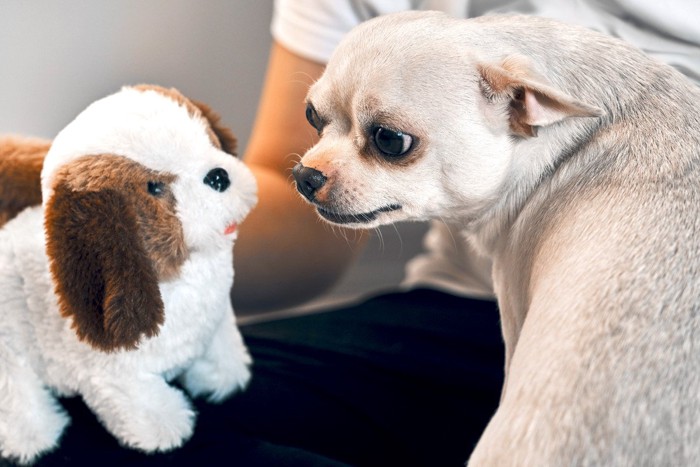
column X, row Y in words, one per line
column 285, row 254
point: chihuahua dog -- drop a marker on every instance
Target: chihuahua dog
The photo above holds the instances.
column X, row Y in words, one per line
column 570, row 159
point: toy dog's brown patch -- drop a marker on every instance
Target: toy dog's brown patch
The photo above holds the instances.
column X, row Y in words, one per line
column 21, row 161
column 225, row 136
column 220, row 136
column 111, row 237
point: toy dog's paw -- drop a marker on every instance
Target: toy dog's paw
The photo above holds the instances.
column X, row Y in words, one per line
column 218, row 379
column 142, row 412
column 31, row 420
column 24, row 438
column 162, row 426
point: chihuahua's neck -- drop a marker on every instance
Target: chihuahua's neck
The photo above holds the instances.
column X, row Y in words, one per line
column 539, row 166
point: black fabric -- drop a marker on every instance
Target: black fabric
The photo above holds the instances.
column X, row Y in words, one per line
column 214, row 443
column 406, row 378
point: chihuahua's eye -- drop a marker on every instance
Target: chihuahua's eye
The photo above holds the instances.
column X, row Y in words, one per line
column 392, row 143
column 156, row 188
column 313, row 118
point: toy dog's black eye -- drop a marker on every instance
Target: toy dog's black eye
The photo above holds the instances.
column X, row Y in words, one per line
column 156, row 188
column 390, row 142
column 313, row 118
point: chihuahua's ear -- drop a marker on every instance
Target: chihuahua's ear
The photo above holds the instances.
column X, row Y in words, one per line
column 533, row 102
column 223, row 133
column 103, row 278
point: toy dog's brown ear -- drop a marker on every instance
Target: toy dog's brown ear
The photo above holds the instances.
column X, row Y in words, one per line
column 533, row 102
column 21, row 161
column 224, row 134
column 103, row 278
column 220, row 135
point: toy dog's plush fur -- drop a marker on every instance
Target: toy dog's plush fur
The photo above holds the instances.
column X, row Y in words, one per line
column 120, row 281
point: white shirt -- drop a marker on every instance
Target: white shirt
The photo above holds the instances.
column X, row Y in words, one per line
column 666, row 29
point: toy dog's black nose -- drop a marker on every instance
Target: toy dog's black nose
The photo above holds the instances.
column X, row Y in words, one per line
column 308, row 180
column 218, row 179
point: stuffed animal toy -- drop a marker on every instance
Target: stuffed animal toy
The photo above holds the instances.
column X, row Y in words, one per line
column 119, row 282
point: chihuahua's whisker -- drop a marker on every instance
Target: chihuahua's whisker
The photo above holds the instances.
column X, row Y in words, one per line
column 400, row 239
column 380, row 237
column 449, row 230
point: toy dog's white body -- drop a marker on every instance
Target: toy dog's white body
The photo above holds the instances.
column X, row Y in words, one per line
column 199, row 339
column 126, row 385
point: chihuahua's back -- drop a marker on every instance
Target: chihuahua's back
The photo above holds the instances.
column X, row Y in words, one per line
column 600, row 268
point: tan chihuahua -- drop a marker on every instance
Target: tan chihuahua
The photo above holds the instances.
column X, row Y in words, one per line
column 572, row 160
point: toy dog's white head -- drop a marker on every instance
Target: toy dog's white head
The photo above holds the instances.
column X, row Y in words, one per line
column 135, row 185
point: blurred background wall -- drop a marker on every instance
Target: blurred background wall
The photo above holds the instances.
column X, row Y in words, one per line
column 56, row 57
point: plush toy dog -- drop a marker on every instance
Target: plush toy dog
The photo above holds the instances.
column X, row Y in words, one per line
column 119, row 282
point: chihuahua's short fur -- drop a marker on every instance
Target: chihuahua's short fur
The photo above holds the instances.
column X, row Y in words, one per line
column 572, row 160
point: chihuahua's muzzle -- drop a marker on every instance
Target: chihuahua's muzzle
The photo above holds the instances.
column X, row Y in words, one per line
column 308, row 180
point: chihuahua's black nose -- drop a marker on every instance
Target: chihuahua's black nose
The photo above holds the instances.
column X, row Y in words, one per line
column 308, row 180
column 218, row 179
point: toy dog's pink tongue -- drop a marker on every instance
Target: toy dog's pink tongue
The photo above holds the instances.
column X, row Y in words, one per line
column 231, row 228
